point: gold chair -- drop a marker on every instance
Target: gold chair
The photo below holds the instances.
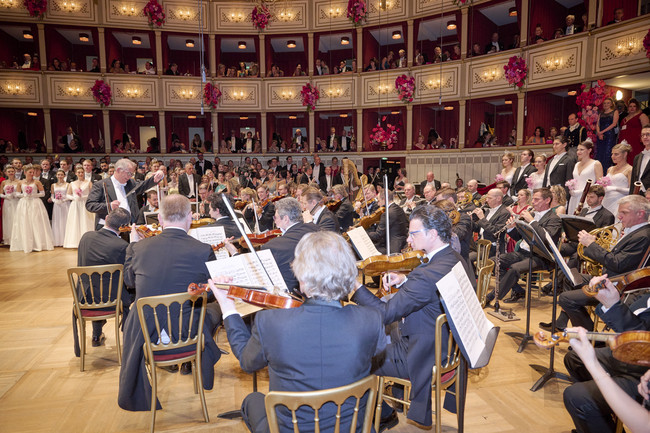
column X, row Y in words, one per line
column 445, row 374
column 95, row 299
column 181, row 335
column 483, row 247
column 483, row 282
column 316, row 399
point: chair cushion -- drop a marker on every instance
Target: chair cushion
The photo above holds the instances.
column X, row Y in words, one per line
column 171, row 356
column 95, row 313
column 447, row 376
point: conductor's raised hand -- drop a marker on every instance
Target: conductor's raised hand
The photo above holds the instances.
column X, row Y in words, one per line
column 158, row 176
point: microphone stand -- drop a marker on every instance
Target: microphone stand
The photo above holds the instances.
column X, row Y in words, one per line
column 387, row 215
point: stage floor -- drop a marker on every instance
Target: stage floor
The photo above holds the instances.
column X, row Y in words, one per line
column 42, row 389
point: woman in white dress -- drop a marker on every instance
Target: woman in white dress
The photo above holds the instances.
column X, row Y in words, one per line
column 536, row 179
column 61, row 208
column 619, row 177
column 31, row 229
column 508, row 171
column 586, row 168
column 9, row 192
column 80, row 220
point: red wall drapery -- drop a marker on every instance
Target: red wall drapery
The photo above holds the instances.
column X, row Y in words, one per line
column 287, row 61
column 86, row 127
column 444, row 122
column 323, row 124
column 177, row 122
column 12, row 50
column 370, row 119
column 282, row 125
column 500, row 117
column 125, row 121
column 128, row 55
column 629, row 9
column 230, row 122
column 187, row 61
column 233, row 59
column 15, row 120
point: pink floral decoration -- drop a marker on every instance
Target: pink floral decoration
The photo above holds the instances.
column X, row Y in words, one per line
column 571, row 184
column 58, row 195
column 260, row 16
column 646, row 44
column 9, row 189
column 309, row 95
column 36, row 8
column 211, row 95
column 590, row 100
column 529, row 182
column 102, row 93
column 357, row 11
column 604, row 181
column 516, row 71
column 461, row 3
column 499, row 178
column 405, row 86
column 155, row 13
column 28, row 190
column 386, row 135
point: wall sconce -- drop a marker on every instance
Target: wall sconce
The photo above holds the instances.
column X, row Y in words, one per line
column 394, row 112
column 397, row 34
column 343, row 115
column 627, row 46
column 14, row 89
column 128, row 10
column 291, row 44
column 293, row 117
column 512, row 12
column 191, row 116
column 572, row 92
column 69, row 6
column 385, row 5
column 433, row 84
column 139, row 116
column 345, row 40
column 243, row 117
column 32, row 114
column 184, row 14
column 508, row 101
column 73, row 91
column 285, row 15
column 8, row 3
column 136, row 40
column 237, row 17
column 132, row 93
column 335, row 13
column 241, row 45
column 27, row 34
column 334, row 93
column 490, row 75
column 185, row 94
column 238, row 96
column 553, row 63
column 287, row 94
column 383, row 88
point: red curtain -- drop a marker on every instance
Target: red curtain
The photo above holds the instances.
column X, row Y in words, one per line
column 86, row 127
column 282, row 125
column 372, row 116
column 15, row 121
column 334, row 57
column 333, row 119
column 179, row 123
column 444, row 122
column 126, row 121
column 61, row 48
column 287, row 61
column 233, row 59
column 12, row 50
column 500, row 117
column 629, row 9
column 187, row 61
column 229, row 122
column 371, row 47
column 128, row 55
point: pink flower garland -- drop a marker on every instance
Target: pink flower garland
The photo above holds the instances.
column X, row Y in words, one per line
column 102, row 93
column 260, row 16
column 405, row 86
column 211, row 95
column 309, row 95
column 461, row 3
column 589, row 101
column 36, row 8
column 154, row 13
column 499, row 178
column 516, row 71
column 357, row 11
column 646, row 44
column 380, row 135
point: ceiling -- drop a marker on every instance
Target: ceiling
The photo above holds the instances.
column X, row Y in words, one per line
column 631, row 82
column 229, row 45
column 72, row 36
column 332, row 42
column 280, row 45
column 384, row 35
column 16, row 32
column 126, row 40
column 325, row 116
column 432, row 30
column 177, row 42
column 498, row 13
column 569, row 3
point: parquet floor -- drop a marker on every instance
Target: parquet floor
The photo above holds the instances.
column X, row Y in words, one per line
column 42, row 389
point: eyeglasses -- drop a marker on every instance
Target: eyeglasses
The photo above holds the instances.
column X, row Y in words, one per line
column 645, row 134
column 412, row 234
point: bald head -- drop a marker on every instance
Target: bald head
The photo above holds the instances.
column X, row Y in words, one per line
column 430, row 176
column 472, row 185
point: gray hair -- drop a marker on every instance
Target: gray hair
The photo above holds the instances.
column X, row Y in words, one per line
column 125, row 164
column 175, row 208
column 325, row 266
column 636, row 203
column 434, row 218
column 118, row 218
column 289, row 207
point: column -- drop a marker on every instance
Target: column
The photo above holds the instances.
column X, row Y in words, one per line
column 162, row 134
column 48, row 130
column 462, row 120
column 262, row 55
column 409, row 127
column 212, row 55
column 594, row 7
column 159, row 57
column 464, row 31
column 524, row 30
column 310, row 54
column 102, row 49
column 312, row 131
column 215, row 132
column 521, row 111
column 42, row 51
column 359, row 52
column 358, row 131
column 107, row 130
column 264, row 133
column 410, row 43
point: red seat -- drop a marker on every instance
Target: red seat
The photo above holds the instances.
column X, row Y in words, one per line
column 172, row 356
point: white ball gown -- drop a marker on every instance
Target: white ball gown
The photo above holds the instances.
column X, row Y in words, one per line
column 589, row 172
column 619, row 188
column 9, row 205
column 536, row 180
column 31, row 229
column 59, row 213
column 80, row 220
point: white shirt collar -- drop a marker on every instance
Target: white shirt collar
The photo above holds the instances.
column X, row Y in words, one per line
column 436, row 251
column 318, row 212
column 115, row 182
column 574, row 127
column 634, row 228
column 287, row 229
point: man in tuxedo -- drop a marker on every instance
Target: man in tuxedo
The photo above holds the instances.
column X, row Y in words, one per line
column 515, row 263
column 219, row 211
column 288, row 218
column 504, row 187
column 410, row 200
column 150, row 206
column 429, row 194
column 188, row 182
column 47, row 178
column 318, row 68
column 202, row 165
column 369, row 205
column 412, row 312
column 522, row 172
column 318, row 169
column 640, row 167
column 332, row 140
column 464, row 227
column 571, row 28
column 494, row 46
column 118, row 188
column 430, row 180
column 248, row 143
column 345, row 213
column 323, row 343
column 472, row 187
column 575, row 134
column 487, row 225
column 560, row 167
column 618, row 16
column 17, row 164
column 265, row 211
column 299, row 139
column 344, row 141
column 311, row 200
column 103, row 169
column 89, row 174
column 68, row 137
column 307, row 177
column 102, row 247
column 399, row 226
column 162, row 265
column 235, row 142
column 69, row 173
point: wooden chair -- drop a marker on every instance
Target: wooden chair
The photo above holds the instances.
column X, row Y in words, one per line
column 445, row 374
column 97, row 294
column 483, row 282
column 483, row 247
column 178, row 312
column 316, row 399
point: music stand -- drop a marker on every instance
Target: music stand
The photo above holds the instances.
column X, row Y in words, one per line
column 549, row 373
column 572, row 225
column 535, row 245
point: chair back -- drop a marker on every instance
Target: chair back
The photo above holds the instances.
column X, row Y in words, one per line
column 178, row 321
column 483, row 281
column 316, row 399
column 446, row 367
column 483, row 247
column 95, row 287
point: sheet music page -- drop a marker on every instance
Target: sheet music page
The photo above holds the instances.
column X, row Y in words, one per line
column 465, row 312
column 560, row 261
column 247, row 230
column 212, row 236
column 245, row 270
column 362, row 242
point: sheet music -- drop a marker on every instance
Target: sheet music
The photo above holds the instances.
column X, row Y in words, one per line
column 247, row 230
column 362, row 243
column 211, row 236
column 559, row 259
column 465, row 312
column 245, row 270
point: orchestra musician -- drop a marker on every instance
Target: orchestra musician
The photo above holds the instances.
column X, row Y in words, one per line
column 410, row 200
column 412, row 312
column 321, row 344
column 264, row 208
column 345, row 213
column 399, row 227
column 315, row 211
column 219, row 211
column 463, row 228
column 490, row 221
column 370, row 193
column 150, row 206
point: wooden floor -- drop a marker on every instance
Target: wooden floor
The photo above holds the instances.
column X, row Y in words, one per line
column 42, row 389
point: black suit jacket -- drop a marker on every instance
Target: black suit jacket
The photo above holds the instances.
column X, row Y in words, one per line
column 507, row 201
column 327, row 221
column 549, row 222
column 399, row 230
column 102, row 247
column 266, row 219
column 424, row 183
column 345, row 215
column 229, row 227
column 415, row 308
column 96, row 202
column 162, row 265
column 184, row 184
column 576, row 137
column 489, row 47
column 201, row 171
column 493, row 225
column 47, row 187
column 316, row 346
column 601, row 218
column 643, row 177
column 465, row 233
column 562, row 172
column 521, row 181
column 284, row 247
column 70, row 176
column 141, row 219
column 626, row 254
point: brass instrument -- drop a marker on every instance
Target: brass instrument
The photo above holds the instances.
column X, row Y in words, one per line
column 464, row 198
column 606, row 237
column 450, row 210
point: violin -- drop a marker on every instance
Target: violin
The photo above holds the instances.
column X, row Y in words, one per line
column 261, row 239
column 142, row 230
column 406, row 261
column 202, row 222
column 256, row 297
column 218, row 246
column 369, row 220
column 625, row 282
column 333, row 205
column 632, row 347
column 241, row 204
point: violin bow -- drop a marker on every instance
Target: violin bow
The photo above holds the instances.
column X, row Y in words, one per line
column 108, row 203
column 387, row 216
column 257, row 220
